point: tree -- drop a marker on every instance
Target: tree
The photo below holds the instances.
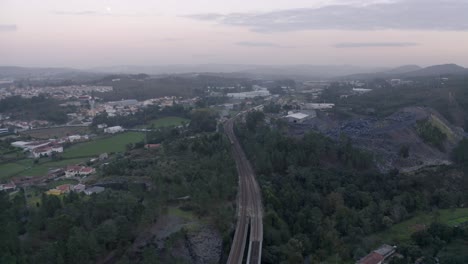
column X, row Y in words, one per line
column 253, row 119
column 203, row 120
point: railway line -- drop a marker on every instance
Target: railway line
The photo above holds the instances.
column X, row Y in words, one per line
column 249, row 208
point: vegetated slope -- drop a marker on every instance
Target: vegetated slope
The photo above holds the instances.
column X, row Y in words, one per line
column 322, row 198
column 404, row 69
column 142, row 87
column 13, row 72
column 443, row 69
column 407, row 139
column 412, row 71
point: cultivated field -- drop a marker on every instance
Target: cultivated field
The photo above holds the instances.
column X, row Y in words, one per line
column 170, row 121
column 74, row 155
column 56, row 132
column 402, row 231
column 96, row 147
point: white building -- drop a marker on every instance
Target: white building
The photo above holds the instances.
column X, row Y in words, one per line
column 361, row 90
column 299, row 117
column 94, row 189
column 46, row 151
column 113, row 130
column 257, row 92
column 74, row 138
column 75, row 171
column 317, row 106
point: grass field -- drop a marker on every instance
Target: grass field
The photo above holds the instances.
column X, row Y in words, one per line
column 402, row 231
column 42, row 168
column 56, row 132
column 170, row 121
column 54, row 184
column 10, row 169
column 26, row 167
column 93, row 148
column 457, row 249
column 76, row 154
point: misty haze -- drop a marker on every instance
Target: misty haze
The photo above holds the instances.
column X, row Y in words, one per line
column 263, row 131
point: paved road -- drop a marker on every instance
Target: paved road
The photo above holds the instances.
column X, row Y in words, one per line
column 249, row 209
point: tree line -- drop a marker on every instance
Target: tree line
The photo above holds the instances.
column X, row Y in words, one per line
column 324, row 198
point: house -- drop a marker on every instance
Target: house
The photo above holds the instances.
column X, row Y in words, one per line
column 59, row 190
column 372, row 258
column 79, row 188
column 4, row 131
column 53, row 192
column 64, row 188
column 361, row 90
column 46, row 150
column 152, row 146
column 8, row 187
column 85, row 171
column 379, row 255
column 94, row 189
column 72, row 171
column 113, row 130
column 103, row 156
column 74, row 138
column 299, row 117
column 317, row 106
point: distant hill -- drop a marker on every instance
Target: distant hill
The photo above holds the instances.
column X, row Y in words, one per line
column 404, row 69
column 13, row 72
column 300, row 71
column 444, row 69
column 409, row 71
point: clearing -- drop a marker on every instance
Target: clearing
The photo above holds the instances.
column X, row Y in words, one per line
column 95, row 147
column 402, row 231
column 170, row 121
column 56, row 132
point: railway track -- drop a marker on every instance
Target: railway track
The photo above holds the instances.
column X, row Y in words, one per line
column 249, row 207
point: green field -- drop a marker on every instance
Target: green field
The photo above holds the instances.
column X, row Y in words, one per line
column 54, row 184
column 56, row 132
column 76, row 154
column 10, row 169
column 170, row 121
column 26, row 167
column 402, row 231
column 95, row 147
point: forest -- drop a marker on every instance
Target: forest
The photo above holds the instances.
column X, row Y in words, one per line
column 141, row 87
column 323, row 199
column 75, row 228
column 38, row 107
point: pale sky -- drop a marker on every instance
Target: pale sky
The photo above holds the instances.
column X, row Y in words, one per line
column 91, row 33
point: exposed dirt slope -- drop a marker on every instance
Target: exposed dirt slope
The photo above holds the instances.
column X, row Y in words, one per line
column 386, row 137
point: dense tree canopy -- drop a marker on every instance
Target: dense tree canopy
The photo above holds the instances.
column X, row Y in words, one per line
column 324, row 198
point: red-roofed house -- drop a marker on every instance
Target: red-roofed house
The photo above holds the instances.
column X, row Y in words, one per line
column 378, row 256
column 46, row 150
column 72, row 171
column 372, row 258
column 64, row 188
column 8, row 187
column 85, row 171
column 152, row 146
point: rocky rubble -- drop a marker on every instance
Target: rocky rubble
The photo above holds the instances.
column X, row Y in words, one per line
column 384, row 137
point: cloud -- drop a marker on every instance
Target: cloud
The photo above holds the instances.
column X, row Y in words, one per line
column 207, row 17
column 374, row 44
column 8, row 27
column 261, row 44
column 440, row 15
